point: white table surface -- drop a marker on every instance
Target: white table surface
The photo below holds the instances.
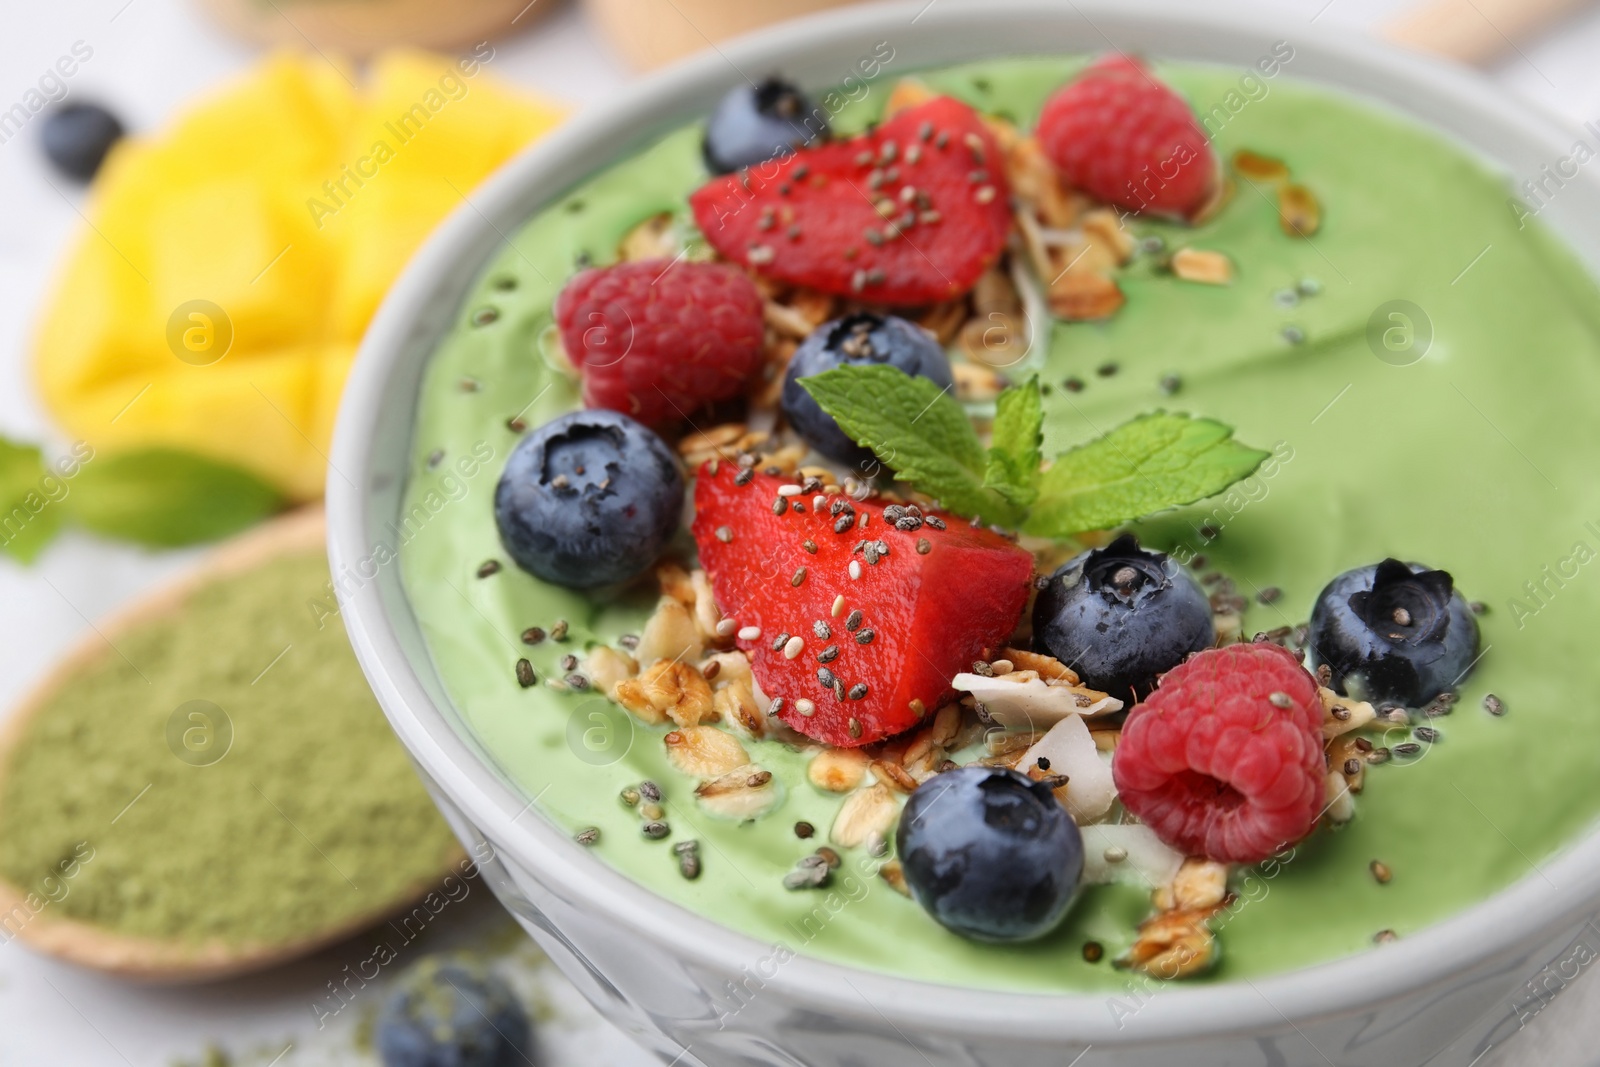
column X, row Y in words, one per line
column 150, row 56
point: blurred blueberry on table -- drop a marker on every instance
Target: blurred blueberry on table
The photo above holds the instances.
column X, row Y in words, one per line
column 447, row 1012
column 754, row 123
column 77, row 137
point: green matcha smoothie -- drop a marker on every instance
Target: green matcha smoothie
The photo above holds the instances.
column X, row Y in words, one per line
column 1474, row 458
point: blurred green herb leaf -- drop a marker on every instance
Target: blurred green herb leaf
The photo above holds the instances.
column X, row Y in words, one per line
column 165, row 498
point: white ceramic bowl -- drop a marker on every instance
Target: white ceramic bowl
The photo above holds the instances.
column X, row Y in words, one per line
column 698, row 993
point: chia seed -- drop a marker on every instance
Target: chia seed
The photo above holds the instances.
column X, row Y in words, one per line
column 934, row 521
column 855, row 727
column 843, row 523
column 650, row 791
column 569, row 662
column 780, row 505
column 587, row 836
column 822, row 630
column 799, row 577
column 804, row 829
column 829, row 654
column 1106, row 370
column 1170, row 384
column 825, row 678
column 809, row 545
column 688, row 853
column 577, row 681
column 854, row 621
column 532, row 635
column 1409, row 748
column 525, row 675
column 558, row 632
column 1494, row 705
column 630, row 796
column 865, row 637
column 779, row 642
column 488, row 567
column 655, row 830
column 858, row 692
column 1426, row 734
column 744, row 477
column 1269, row 595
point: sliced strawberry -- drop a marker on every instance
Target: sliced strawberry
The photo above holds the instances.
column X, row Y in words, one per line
column 911, row 621
column 910, row 213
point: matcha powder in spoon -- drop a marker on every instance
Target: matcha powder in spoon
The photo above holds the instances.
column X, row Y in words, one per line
column 223, row 773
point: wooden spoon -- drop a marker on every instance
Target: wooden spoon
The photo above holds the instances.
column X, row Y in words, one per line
column 150, row 959
column 1475, row 31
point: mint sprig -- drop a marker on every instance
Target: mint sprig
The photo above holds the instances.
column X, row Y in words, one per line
column 1148, row 464
column 1014, row 451
column 918, row 431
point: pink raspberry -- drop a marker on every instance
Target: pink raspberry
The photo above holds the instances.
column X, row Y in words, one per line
column 659, row 340
column 1121, row 135
column 1225, row 759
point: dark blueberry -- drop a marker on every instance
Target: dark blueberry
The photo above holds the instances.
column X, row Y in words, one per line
column 990, row 853
column 856, row 340
column 1394, row 631
column 77, row 137
column 451, row 1013
column 754, row 123
column 588, row 499
column 1121, row 616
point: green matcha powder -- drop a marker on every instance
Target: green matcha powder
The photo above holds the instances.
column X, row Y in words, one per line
column 311, row 816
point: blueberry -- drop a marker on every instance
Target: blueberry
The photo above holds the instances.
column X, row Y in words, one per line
column 754, row 123
column 856, row 340
column 990, row 853
column 451, row 1013
column 77, row 137
column 1394, row 632
column 1121, row 616
column 588, row 499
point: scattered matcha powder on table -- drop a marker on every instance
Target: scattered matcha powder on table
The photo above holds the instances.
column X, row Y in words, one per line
column 313, row 817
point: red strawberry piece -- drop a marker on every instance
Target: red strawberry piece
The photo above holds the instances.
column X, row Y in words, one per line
column 908, row 624
column 1225, row 759
column 910, row 213
column 1118, row 133
column 656, row 340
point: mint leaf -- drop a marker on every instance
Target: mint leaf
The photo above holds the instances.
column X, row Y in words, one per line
column 1148, row 464
column 165, row 498
column 918, row 430
column 28, row 521
column 1013, row 467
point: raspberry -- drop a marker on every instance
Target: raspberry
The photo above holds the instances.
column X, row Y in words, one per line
column 657, row 340
column 1121, row 135
column 1216, row 765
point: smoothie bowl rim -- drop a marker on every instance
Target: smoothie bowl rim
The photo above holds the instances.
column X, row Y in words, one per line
column 371, row 451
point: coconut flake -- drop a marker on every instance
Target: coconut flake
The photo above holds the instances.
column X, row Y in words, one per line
column 1071, row 750
column 1022, row 700
column 1145, row 861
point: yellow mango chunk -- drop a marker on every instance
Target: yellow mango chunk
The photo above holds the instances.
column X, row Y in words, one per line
column 234, row 261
